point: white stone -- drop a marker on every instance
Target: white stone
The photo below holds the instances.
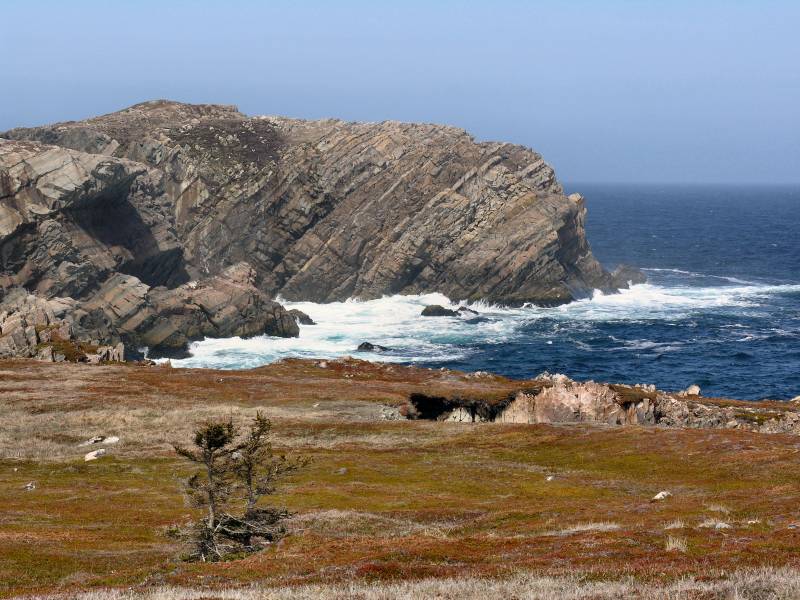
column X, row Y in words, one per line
column 93, row 440
column 95, row 454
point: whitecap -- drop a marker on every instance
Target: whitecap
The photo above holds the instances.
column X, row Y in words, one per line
column 395, row 322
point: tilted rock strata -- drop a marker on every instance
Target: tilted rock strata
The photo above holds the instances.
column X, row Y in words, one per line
column 327, row 210
column 89, row 240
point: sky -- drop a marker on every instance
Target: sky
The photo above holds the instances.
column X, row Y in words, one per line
column 671, row 91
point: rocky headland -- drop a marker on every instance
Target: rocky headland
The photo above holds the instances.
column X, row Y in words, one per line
column 167, row 222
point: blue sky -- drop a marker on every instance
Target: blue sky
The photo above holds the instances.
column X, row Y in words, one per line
column 615, row 90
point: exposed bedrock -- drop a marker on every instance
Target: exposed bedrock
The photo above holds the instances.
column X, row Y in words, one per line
column 89, row 240
column 558, row 399
column 327, row 210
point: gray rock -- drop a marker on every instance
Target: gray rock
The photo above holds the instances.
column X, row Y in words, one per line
column 369, row 347
column 322, row 210
column 391, row 413
column 435, row 310
column 94, row 455
column 301, row 317
column 692, row 390
column 118, row 255
column 625, row 275
column 45, row 354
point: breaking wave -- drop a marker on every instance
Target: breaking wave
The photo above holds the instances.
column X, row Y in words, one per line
column 617, row 323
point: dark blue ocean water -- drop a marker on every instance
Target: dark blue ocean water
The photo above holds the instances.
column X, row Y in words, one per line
column 733, row 253
column 721, row 308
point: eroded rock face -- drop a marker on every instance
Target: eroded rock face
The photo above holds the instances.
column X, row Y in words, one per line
column 225, row 305
column 87, row 243
column 327, row 210
column 562, row 400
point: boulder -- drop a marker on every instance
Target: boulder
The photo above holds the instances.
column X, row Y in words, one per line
column 369, row 347
column 571, row 401
column 94, row 454
column 301, row 317
column 624, row 276
column 692, row 390
column 435, row 310
column 93, row 440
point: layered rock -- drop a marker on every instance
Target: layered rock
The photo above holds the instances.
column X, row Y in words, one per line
column 87, row 242
column 328, row 210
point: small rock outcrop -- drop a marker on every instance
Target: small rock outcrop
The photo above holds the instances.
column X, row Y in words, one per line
column 558, row 399
column 301, row 317
column 370, row 347
column 436, row 310
column 94, row 454
column 692, row 390
column 625, row 275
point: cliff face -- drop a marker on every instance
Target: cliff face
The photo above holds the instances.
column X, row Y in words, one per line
column 168, row 193
column 89, row 251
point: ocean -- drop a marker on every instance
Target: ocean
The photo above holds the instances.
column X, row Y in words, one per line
column 721, row 308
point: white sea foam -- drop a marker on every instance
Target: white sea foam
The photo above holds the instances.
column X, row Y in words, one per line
column 395, row 322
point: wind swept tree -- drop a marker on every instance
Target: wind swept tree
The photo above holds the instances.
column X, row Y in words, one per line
column 212, row 486
column 235, row 472
column 257, row 467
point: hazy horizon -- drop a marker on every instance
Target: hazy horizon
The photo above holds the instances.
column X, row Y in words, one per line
column 611, row 92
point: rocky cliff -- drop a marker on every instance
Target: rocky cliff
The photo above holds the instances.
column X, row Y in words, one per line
column 132, row 215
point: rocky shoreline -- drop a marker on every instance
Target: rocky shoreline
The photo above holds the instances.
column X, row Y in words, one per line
column 167, row 222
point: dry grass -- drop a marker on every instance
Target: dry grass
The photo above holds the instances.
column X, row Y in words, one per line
column 675, row 544
column 352, row 524
column 383, row 503
column 713, row 524
column 584, row 527
column 758, row 584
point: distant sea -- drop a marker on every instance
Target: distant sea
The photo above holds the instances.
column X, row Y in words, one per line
column 721, row 308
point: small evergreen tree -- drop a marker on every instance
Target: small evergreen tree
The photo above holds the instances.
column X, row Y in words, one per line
column 257, row 467
column 235, row 472
column 212, row 486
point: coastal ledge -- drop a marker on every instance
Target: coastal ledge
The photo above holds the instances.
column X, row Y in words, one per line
column 349, row 389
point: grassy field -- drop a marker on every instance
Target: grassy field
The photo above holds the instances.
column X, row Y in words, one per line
column 382, row 501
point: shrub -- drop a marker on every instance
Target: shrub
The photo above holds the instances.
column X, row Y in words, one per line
column 234, row 474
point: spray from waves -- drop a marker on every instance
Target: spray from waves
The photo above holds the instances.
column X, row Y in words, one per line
column 395, row 322
column 683, row 273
